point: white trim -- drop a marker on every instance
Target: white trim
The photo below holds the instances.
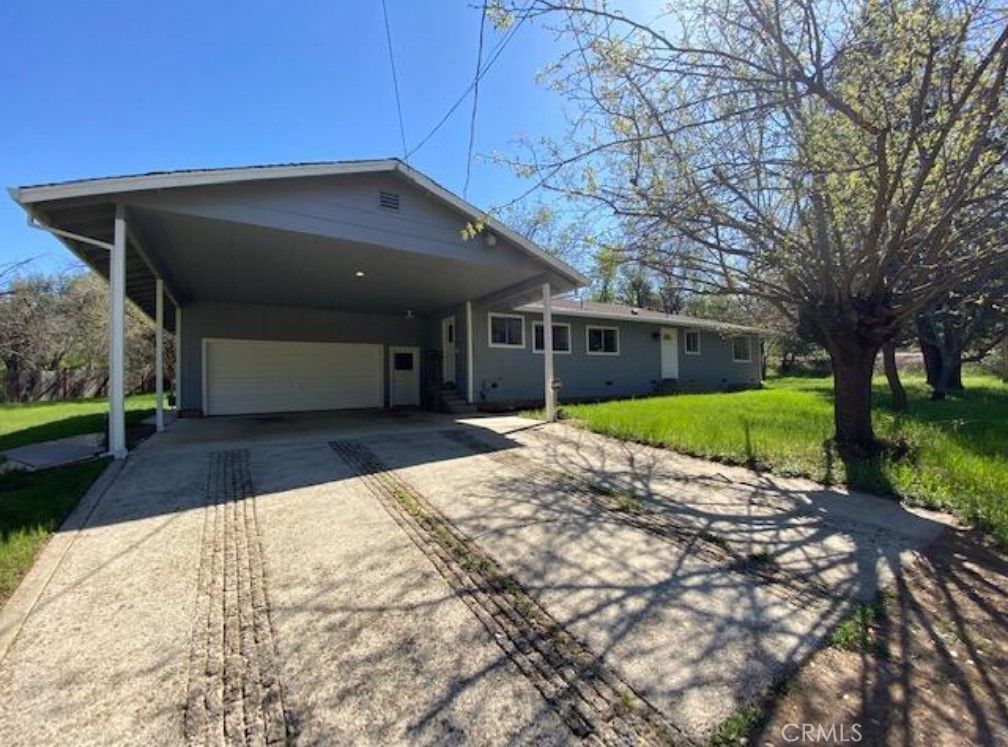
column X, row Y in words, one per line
column 117, row 340
column 589, row 351
column 686, row 334
column 570, row 340
column 549, row 393
column 748, row 339
column 470, row 375
column 491, row 343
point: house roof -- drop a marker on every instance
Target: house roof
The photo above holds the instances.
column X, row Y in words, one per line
column 102, row 187
column 620, row 312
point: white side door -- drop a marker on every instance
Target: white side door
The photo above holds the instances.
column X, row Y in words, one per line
column 669, row 353
column 404, row 377
column 448, row 349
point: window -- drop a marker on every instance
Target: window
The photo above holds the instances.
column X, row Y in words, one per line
column 602, row 340
column 692, row 342
column 741, row 349
column 507, row 331
column 561, row 338
column 402, row 362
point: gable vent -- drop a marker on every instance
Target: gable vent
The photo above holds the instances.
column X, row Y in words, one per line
column 388, row 200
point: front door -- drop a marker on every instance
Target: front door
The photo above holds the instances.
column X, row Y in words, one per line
column 669, row 353
column 404, row 377
column 448, row 349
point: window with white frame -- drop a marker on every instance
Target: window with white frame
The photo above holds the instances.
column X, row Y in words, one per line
column 692, row 342
column 742, row 349
column 561, row 338
column 602, row 340
column 507, row 331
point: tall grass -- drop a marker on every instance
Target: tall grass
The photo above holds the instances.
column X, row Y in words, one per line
column 955, row 456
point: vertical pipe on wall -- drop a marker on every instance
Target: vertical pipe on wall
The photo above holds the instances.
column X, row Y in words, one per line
column 178, row 359
column 548, row 352
column 470, row 374
column 159, row 354
column 117, row 313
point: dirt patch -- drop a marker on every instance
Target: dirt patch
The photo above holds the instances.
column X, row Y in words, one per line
column 934, row 670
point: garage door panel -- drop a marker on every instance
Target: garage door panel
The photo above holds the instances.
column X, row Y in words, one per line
column 246, row 376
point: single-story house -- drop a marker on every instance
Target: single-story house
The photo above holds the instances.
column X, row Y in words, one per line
column 353, row 285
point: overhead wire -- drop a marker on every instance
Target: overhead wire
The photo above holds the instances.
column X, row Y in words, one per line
column 472, row 117
column 395, row 80
column 494, row 55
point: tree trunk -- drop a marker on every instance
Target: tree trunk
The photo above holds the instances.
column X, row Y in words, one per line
column 852, row 418
column 932, row 362
column 899, row 397
column 950, row 373
column 12, row 381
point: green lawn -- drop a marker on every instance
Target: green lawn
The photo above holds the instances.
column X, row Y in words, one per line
column 958, row 449
column 33, row 422
column 32, row 506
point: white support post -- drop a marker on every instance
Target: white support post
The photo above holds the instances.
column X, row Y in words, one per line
column 470, row 374
column 159, row 355
column 548, row 352
column 178, row 359
column 117, row 313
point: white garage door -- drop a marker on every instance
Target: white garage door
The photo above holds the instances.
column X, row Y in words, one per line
column 253, row 376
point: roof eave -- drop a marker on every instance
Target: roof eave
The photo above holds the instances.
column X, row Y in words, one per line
column 428, row 184
column 144, row 182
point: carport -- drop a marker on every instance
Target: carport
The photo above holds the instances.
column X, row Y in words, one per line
column 297, row 287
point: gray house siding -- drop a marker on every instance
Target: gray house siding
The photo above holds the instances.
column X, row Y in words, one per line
column 516, row 374
column 506, row 375
column 714, row 367
column 305, row 232
column 254, row 322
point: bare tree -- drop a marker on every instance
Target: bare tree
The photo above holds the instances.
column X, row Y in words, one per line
column 817, row 155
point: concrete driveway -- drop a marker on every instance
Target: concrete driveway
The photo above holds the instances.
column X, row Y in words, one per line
column 410, row 578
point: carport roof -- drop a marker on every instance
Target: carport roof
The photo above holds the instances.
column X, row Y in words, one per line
column 86, row 207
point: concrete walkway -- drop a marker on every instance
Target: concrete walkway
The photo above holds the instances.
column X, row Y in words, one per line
column 55, row 453
column 238, row 583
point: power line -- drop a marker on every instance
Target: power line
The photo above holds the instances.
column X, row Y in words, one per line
column 472, row 118
column 495, row 53
column 395, row 80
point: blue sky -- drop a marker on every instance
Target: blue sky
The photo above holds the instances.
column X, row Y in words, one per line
column 104, row 88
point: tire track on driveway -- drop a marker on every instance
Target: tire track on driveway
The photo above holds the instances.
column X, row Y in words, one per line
column 234, row 694
column 591, row 699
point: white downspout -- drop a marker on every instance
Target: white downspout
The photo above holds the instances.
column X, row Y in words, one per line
column 548, row 352
column 117, row 314
column 159, row 355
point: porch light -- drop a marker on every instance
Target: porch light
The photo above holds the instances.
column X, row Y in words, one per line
column 359, row 274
